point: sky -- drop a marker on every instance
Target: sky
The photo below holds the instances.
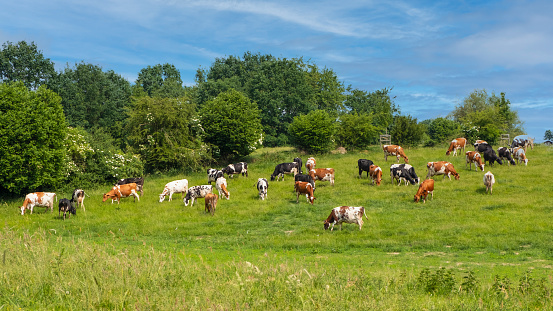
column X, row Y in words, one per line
column 432, row 54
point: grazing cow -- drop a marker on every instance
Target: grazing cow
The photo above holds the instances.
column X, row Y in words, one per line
column 238, row 168
column 347, row 214
column 284, row 168
column 473, row 156
column 364, row 165
column 489, row 154
column 323, row 174
column 211, row 203
column 306, row 178
column 505, row 154
column 196, row 192
column 489, row 180
column 522, row 141
column 176, row 186
column 310, row 164
column 122, row 191
column 376, row 174
column 478, row 142
column 306, row 188
column 520, row 155
column 441, row 168
column 221, row 185
column 139, row 181
column 262, row 186
column 213, row 175
column 403, row 172
column 300, row 163
column 425, row 188
column 45, row 199
column 78, row 198
column 455, row 145
column 66, row 206
column 394, row 150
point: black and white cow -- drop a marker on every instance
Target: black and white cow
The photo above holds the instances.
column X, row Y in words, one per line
column 139, row 181
column 300, row 163
column 284, row 168
column 522, row 141
column 66, row 206
column 78, row 198
column 237, row 168
column 505, row 153
column 196, row 192
column 213, row 175
column 262, row 186
column 403, row 172
column 489, row 154
column 306, row 178
column 364, row 165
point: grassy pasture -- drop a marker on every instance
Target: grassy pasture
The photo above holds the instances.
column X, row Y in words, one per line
column 486, row 251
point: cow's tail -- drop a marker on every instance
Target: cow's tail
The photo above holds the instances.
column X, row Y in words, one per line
column 365, row 214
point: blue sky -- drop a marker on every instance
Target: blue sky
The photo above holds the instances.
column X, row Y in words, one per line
column 433, row 53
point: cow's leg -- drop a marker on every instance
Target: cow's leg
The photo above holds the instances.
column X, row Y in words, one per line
column 297, row 197
column 170, row 196
column 340, row 226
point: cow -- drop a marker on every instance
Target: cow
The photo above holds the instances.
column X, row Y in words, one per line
column 489, row 154
column 478, row 142
column 441, row 168
column 376, row 174
column 122, row 191
column 139, row 181
column 221, row 185
column 45, row 199
column 473, row 156
column 302, row 187
column 455, row 145
column 306, row 178
column 237, row 168
column 78, row 198
column 489, row 180
column 196, row 192
column 213, row 175
column 310, row 164
column 347, row 214
column 323, row 174
column 300, row 163
column 66, row 206
column 425, row 188
column 405, row 172
column 505, row 154
column 262, row 186
column 176, row 186
column 520, row 155
column 364, row 165
column 522, row 141
column 284, row 168
column 211, row 203
column 394, row 150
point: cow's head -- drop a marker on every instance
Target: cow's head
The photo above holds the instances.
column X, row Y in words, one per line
column 187, row 198
column 106, row 196
column 22, row 210
column 326, row 224
column 417, row 198
column 161, row 197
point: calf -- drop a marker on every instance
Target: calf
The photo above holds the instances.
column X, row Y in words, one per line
column 213, row 175
column 122, row 191
column 425, row 188
column 45, row 199
column 139, row 181
column 394, row 150
column 306, row 178
column 284, row 168
column 520, row 155
column 323, row 174
column 66, row 206
column 441, row 168
column 489, row 180
column 505, row 153
column 310, row 164
column 78, row 198
column 403, row 172
column 237, row 168
column 176, row 186
column 347, row 214
column 196, row 192
column 455, row 145
column 221, row 185
column 298, row 160
column 262, row 186
column 306, row 188
column 364, row 165
column 489, row 154
column 473, row 156
column 211, row 203
column 376, row 174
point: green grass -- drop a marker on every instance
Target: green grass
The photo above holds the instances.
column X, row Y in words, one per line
column 274, row 254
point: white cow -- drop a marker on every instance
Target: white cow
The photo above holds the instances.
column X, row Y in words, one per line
column 177, row 186
column 221, row 185
column 45, row 199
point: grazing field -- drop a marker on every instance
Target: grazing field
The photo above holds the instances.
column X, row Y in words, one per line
column 463, row 250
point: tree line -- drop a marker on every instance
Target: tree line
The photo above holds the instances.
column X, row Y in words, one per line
column 85, row 125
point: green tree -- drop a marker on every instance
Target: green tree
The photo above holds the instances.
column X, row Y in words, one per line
column 441, row 130
column 161, row 81
column 356, row 131
column 377, row 103
column 32, row 132
column 313, row 132
column 548, row 135
column 406, row 131
column 25, row 63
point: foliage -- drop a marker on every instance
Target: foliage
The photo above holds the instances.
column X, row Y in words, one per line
column 548, row 135
column 406, row 131
column 313, row 132
column 440, row 283
column 23, row 62
column 356, row 131
column 441, row 130
column 160, row 81
column 32, row 131
column 377, row 103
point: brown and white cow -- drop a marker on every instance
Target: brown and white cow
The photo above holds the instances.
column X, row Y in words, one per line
column 473, row 156
column 78, row 198
column 176, row 186
column 323, row 174
column 302, row 187
column 122, row 191
column 394, row 150
column 221, row 185
column 347, row 214
column 45, row 199
column 425, row 188
column 441, row 168
column 456, row 144
column 211, row 203
column 376, row 174
column 489, row 180
column 520, row 155
column 310, row 164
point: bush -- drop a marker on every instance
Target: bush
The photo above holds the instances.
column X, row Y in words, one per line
column 313, row 132
column 406, row 131
column 356, row 131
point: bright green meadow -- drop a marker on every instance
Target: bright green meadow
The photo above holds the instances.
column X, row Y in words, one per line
column 463, row 250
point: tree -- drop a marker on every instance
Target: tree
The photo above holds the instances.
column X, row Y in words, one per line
column 441, row 130
column 161, row 81
column 356, row 130
column 377, row 103
column 548, row 135
column 25, row 63
column 313, row 132
column 406, row 131
column 32, row 132
column 231, row 124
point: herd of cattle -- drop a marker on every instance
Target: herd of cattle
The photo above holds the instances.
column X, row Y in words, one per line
column 304, row 184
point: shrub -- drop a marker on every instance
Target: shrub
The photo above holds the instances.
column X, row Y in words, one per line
column 356, row 131
column 313, row 132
